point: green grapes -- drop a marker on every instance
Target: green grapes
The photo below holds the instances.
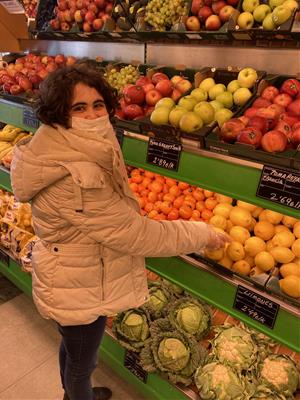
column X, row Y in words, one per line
column 162, row 14
column 119, row 79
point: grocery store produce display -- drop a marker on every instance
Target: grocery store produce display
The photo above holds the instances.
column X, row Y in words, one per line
column 30, row 7
column 9, row 137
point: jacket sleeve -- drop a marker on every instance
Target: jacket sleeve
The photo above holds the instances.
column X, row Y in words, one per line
column 113, row 223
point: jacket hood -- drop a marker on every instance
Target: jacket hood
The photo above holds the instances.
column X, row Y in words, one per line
column 44, row 159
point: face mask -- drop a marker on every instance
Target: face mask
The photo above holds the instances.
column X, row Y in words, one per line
column 97, row 124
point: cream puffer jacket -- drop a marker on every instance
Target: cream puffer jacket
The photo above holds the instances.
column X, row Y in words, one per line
column 90, row 257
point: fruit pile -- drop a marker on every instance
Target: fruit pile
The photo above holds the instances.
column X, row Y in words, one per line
column 194, row 111
column 163, row 14
column 272, row 123
column 87, row 15
column 26, row 73
column 267, row 16
column 9, row 136
column 210, row 15
column 119, row 78
column 30, row 7
column 139, row 99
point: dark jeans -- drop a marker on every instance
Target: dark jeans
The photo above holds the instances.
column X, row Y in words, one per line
column 78, row 357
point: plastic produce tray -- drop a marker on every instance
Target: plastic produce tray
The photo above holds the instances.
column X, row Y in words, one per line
column 272, row 286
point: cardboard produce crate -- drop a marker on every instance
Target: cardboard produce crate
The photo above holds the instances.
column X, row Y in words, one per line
column 13, row 25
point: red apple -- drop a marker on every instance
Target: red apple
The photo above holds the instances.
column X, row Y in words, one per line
column 59, row 59
column 15, row 89
column 213, row 23
column 108, row 9
column 165, row 87
column 79, row 4
column 147, row 87
column 132, row 111
column 244, row 120
column 134, row 95
column 77, row 16
column 270, row 93
column 261, row 102
column 250, row 135
column 283, row 127
column 42, row 73
column 83, row 12
column 231, row 129
column 89, row 17
column 97, row 24
column 296, row 126
column 148, row 110
column 290, row 87
column 55, row 24
column 288, row 119
column 72, row 4
column 25, row 83
column 277, row 109
column 86, row 3
column 152, row 97
column 250, row 112
column 225, row 13
column 67, row 16
column 120, row 113
column 35, row 80
column 158, row 76
column 274, row 141
column 294, row 108
column 217, row 6
column 143, row 80
column 51, row 67
column 70, row 60
column 62, row 5
column 93, row 8
column 204, row 13
column 176, row 78
column 295, row 137
column 176, row 94
column 192, row 24
column 283, row 99
column 196, row 5
column 65, row 27
column 232, row 2
column 259, row 123
column 100, row 3
column 6, row 87
column 183, row 86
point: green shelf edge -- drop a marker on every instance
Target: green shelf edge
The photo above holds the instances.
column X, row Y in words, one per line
column 12, row 113
column 209, row 173
column 14, row 273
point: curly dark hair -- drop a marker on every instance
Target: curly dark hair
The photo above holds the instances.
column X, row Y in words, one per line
column 56, row 92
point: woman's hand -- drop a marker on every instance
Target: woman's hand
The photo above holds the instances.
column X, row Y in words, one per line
column 217, row 240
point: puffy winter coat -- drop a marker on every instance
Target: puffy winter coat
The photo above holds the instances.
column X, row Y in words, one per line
column 90, row 257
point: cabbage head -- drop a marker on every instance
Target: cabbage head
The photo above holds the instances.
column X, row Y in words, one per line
column 216, row 381
column 159, row 298
column 264, row 393
column 131, row 328
column 176, row 290
column 280, row 373
column 235, row 347
column 190, row 316
column 173, row 354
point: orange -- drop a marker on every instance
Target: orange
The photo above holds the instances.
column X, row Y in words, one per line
column 133, row 186
column 185, row 212
column 210, row 203
column 169, row 197
column 152, row 213
column 177, row 203
column 206, row 214
column 148, row 206
column 166, row 207
column 157, row 206
column 208, row 193
column 137, row 178
column 156, row 186
column 200, row 206
column 175, row 191
column 170, row 182
column 148, row 174
column 198, row 194
column 152, row 197
column 183, row 185
column 173, row 214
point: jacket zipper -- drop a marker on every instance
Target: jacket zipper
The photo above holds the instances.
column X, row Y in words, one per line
column 102, row 279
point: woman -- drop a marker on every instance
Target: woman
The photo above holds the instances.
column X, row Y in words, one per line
column 89, row 262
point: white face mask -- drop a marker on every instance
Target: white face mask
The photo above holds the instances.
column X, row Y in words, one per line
column 97, row 124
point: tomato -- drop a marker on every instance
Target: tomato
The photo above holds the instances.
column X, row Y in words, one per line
column 169, row 197
column 198, row 194
column 165, row 189
column 211, row 203
column 190, row 204
column 177, row 203
column 208, row 193
column 135, row 171
column 145, row 192
column 149, row 174
column 188, row 191
column 173, row 214
column 160, row 196
column 155, row 186
column 142, row 201
column 170, row 182
column 157, row 206
column 175, row 191
column 152, row 197
column 189, row 197
column 152, row 214
column 206, row 214
column 159, row 178
column 166, row 207
column 185, row 212
column 200, row 206
column 183, row 185
column 160, row 217
column 148, row 206
column 196, row 214
column 140, row 188
column 137, row 178
column 146, row 181
column 133, row 186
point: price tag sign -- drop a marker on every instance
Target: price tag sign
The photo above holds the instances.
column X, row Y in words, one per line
column 280, row 186
column 4, row 258
column 30, row 119
column 120, row 135
column 132, row 362
column 256, row 306
column 164, row 153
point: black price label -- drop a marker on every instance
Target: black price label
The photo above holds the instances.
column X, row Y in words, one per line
column 280, row 186
column 164, row 153
column 132, row 362
column 120, row 135
column 4, row 258
column 29, row 118
column 256, row 306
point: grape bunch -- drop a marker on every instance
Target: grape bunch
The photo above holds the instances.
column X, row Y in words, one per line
column 163, row 14
column 118, row 79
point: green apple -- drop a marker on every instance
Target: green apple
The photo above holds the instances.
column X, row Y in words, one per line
column 160, row 115
column 190, row 122
column 176, row 114
column 226, row 99
column 291, row 4
column 207, row 84
column 199, row 94
column 165, row 102
column 233, row 86
column 261, row 12
column 268, row 23
column 216, row 90
column 250, row 5
column 245, row 20
column 275, row 3
column 247, row 77
column 187, row 102
column 205, row 111
column 280, row 15
column 216, row 105
column 223, row 115
column 241, row 96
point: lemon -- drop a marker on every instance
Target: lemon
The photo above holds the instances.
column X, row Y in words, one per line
column 289, row 221
column 214, row 254
column 223, row 199
column 242, row 267
column 281, row 228
column 252, row 224
column 296, row 248
column 226, row 262
column 239, row 234
column 235, row 251
column 256, row 212
column 254, row 245
column 256, row 271
column 264, row 261
column 282, row 255
column 264, row 230
column 246, row 206
column 296, row 230
column 273, row 217
column 229, row 226
column 223, row 209
column 262, row 216
column 284, row 239
column 291, row 285
column 296, row 260
column 290, row 269
column 218, row 221
column 240, row 216
column 269, row 245
column 250, row 260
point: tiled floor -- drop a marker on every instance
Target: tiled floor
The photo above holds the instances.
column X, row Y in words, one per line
column 28, row 356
